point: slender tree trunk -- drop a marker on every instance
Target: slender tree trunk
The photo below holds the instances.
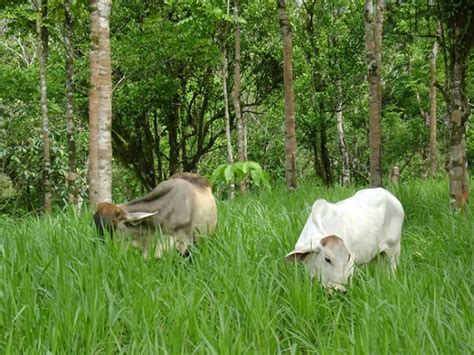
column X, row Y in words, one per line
column 105, row 118
column 70, row 130
column 173, row 119
column 375, row 139
column 318, row 168
column 150, row 163
column 432, row 117
column 159, row 165
column 236, row 94
column 457, row 39
column 183, row 138
column 94, row 101
column 378, row 48
column 290, row 131
column 230, row 155
column 326, row 162
column 458, row 113
column 245, row 140
column 43, row 35
column 100, row 104
column 346, row 177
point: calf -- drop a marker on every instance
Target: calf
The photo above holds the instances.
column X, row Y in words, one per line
column 353, row 231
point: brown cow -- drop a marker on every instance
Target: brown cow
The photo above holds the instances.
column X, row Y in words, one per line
column 179, row 208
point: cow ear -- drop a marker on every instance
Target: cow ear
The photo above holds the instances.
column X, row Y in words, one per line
column 137, row 217
column 298, row 255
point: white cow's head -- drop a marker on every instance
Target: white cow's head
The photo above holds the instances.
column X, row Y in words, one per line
column 329, row 261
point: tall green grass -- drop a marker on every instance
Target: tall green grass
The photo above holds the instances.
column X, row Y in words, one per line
column 62, row 290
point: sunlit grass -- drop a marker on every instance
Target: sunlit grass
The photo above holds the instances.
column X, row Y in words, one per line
column 62, row 290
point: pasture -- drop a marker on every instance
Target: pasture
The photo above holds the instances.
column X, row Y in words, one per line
column 64, row 291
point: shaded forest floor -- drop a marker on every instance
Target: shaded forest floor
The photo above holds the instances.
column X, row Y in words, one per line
column 64, row 291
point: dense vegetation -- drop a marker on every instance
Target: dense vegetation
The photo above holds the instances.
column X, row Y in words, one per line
column 168, row 106
column 63, row 290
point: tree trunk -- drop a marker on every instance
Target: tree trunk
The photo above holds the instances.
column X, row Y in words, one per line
column 458, row 113
column 100, row 105
column 159, row 165
column 375, row 140
column 70, row 130
column 183, row 127
column 245, row 140
column 290, row 131
column 173, row 119
column 457, row 40
column 43, row 35
column 346, row 177
column 327, row 173
column 378, row 48
column 149, row 168
column 94, row 101
column 230, row 155
column 432, row 118
column 236, row 95
column 318, row 169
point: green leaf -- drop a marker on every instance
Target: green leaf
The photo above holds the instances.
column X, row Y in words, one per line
column 218, row 174
column 228, row 174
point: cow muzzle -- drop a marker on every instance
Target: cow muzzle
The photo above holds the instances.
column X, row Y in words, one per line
column 335, row 287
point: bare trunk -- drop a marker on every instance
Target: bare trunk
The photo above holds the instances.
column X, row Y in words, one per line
column 432, row 117
column 395, row 175
column 290, row 131
column 149, row 166
column 236, row 94
column 346, row 177
column 458, row 113
column 230, row 154
column 378, row 48
column 105, row 120
column 100, row 105
column 182, row 143
column 375, row 141
column 326, row 162
column 94, row 101
column 43, row 35
column 245, row 140
column 173, row 119
column 318, row 168
column 159, row 165
column 70, row 130
column 457, row 40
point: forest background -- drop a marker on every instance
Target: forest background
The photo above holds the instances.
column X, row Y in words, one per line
column 168, row 109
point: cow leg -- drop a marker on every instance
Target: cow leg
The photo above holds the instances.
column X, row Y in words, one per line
column 165, row 243
column 393, row 254
column 183, row 241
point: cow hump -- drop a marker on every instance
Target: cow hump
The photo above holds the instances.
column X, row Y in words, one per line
column 194, row 179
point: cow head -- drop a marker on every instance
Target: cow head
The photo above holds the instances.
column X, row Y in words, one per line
column 329, row 261
column 110, row 218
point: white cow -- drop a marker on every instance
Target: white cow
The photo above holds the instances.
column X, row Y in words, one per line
column 353, row 231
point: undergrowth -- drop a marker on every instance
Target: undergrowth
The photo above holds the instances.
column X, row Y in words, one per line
column 63, row 290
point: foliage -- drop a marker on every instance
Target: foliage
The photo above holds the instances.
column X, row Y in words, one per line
column 65, row 291
column 168, row 99
column 6, row 187
column 248, row 171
